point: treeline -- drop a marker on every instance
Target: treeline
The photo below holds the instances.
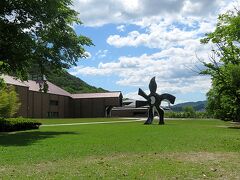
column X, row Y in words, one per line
column 71, row 83
column 187, row 112
column 198, row 106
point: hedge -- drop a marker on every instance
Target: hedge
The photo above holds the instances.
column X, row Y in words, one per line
column 18, row 124
column 172, row 114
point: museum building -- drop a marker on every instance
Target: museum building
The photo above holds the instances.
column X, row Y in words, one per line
column 58, row 103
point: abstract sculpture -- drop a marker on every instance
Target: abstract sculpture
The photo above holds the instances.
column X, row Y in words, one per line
column 154, row 101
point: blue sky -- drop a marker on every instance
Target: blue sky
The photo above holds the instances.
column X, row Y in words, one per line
column 138, row 39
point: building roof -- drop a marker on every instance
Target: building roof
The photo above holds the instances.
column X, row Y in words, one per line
column 13, row 81
column 34, row 85
column 53, row 89
column 97, row 95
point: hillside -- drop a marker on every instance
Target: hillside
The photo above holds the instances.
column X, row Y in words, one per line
column 71, row 83
column 198, row 106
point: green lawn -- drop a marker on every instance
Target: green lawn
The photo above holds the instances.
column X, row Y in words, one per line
column 181, row 149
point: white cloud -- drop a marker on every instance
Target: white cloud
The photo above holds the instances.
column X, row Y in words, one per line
column 121, row 28
column 172, row 67
column 98, row 13
column 133, row 95
column 175, row 27
column 102, row 53
column 87, row 54
column 165, row 34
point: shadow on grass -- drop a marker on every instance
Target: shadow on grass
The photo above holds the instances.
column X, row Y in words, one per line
column 27, row 138
column 234, row 127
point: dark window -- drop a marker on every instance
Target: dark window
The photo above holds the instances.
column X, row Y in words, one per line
column 53, row 103
column 53, row 114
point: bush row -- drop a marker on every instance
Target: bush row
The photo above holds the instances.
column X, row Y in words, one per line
column 18, row 124
column 172, row 114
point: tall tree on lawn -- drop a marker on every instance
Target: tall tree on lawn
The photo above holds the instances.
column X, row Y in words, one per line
column 224, row 67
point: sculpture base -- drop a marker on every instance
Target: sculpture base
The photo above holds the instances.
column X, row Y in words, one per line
column 148, row 121
column 161, row 123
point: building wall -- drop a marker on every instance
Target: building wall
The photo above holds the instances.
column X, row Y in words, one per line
column 98, row 108
column 45, row 105
column 131, row 112
column 87, row 108
column 93, row 107
column 37, row 104
column 30, row 105
column 67, row 108
column 23, row 98
column 114, row 101
column 41, row 105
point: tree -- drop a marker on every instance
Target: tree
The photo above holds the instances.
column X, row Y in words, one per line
column 189, row 112
column 39, row 33
column 9, row 103
column 224, row 67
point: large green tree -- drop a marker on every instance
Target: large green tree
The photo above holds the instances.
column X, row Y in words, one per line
column 39, row 33
column 224, row 67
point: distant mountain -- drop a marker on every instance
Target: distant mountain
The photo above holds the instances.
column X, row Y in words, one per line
column 198, row 106
column 71, row 83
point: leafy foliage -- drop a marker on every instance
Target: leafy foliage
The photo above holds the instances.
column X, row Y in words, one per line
column 224, row 68
column 9, row 103
column 39, row 33
column 18, row 124
column 200, row 115
column 187, row 112
column 71, row 83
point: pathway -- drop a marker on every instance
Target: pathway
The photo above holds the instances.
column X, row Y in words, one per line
column 85, row 123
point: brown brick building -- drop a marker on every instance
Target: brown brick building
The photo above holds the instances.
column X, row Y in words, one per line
column 58, row 103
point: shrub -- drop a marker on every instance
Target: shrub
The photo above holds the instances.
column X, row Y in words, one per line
column 172, row 114
column 18, row 124
column 9, row 103
column 189, row 112
column 2, row 83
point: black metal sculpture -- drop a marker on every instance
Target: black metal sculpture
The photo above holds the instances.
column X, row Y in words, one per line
column 154, row 101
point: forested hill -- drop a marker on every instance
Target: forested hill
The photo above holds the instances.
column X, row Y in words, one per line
column 71, row 83
column 198, row 106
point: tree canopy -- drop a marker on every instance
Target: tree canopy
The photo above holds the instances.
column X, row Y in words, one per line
column 224, row 67
column 39, row 33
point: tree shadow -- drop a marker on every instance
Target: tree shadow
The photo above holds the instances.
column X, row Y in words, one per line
column 234, row 127
column 27, row 138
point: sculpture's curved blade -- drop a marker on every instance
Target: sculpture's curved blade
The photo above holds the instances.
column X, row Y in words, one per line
column 142, row 93
column 141, row 103
column 168, row 97
column 153, row 85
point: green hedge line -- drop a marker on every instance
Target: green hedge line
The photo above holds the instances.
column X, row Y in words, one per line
column 200, row 115
column 18, row 124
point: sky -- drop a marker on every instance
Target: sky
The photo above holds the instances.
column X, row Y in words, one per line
column 135, row 40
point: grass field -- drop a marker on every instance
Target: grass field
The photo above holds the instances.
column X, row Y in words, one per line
column 181, row 149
